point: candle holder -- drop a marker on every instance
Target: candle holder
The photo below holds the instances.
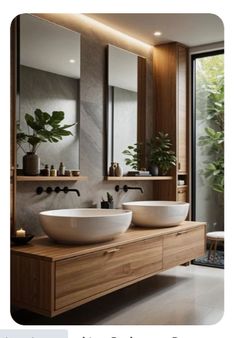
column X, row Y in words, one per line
column 21, row 240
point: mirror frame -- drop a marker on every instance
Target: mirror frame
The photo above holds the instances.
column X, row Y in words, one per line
column 141, row 110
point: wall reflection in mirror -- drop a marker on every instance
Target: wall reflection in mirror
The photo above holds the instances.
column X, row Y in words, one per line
column 122, row 105
column 49, row 79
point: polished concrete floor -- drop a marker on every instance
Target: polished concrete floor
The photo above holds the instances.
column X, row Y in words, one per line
column 182, row 295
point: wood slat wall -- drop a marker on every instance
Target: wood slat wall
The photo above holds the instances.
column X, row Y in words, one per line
column 170, row 109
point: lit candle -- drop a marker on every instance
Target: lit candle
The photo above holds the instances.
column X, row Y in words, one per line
column 20, row 233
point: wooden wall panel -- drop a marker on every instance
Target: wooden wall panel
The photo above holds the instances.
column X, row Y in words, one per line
column 170, row 113
column 142, row 105
column 182, row 110
column 165, row 96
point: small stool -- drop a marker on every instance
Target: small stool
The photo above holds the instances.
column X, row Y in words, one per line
column 214, row 237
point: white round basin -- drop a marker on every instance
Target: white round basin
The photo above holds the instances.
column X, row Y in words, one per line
column 84, row 225
column 157, row 213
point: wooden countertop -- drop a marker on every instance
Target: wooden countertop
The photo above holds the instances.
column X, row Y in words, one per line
column 44, row 248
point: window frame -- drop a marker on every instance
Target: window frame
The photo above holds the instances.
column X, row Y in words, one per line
column 194, row 57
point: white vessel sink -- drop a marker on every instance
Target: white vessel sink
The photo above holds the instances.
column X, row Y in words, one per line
column 157, row 213
column 85, row 225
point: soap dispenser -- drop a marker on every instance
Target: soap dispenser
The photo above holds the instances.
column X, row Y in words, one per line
column 53, row 171
column 61, row 170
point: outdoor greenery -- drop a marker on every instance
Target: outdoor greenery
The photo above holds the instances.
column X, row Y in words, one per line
column 210, row 111
column 160, row 153
column 44, row 128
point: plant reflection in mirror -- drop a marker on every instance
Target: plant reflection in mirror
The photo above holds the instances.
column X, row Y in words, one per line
column 134, row 154
column 45, row 128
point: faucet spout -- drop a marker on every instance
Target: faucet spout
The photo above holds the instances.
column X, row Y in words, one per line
column 126, row 188
column 66, row 190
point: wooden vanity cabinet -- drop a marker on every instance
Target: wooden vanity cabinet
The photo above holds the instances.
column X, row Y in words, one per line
column 49, row 278
column 178, row 247
column 79, row 278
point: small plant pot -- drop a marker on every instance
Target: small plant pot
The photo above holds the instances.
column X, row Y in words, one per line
column 154, row 170
column 106, row 205
column 31, row 164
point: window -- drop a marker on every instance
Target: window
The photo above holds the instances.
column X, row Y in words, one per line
column 208, row 139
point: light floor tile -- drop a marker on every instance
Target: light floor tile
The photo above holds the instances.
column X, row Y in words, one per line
column 192, row 295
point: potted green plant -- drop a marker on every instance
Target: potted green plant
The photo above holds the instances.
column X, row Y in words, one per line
column 161, row 157
column 134, row 154
column 44, row 128
column 108, row 204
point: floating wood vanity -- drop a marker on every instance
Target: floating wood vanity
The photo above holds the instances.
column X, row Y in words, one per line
column 50, row 278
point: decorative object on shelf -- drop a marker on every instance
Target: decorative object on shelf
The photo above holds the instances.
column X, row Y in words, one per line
column 53, row 171
column 133, row 173
column 75, row 172
column 45, row 171
column 118, row 170
column 134, row 154
column 20, row 233
column 21, row 240
column 160, row 154
column 21, row 237
column 46, row 128
column 107, row 204
column 142, row 173
column 31, row 164
column 154, row 169
column 61, row 169
column 67, row 172
column 112, row 169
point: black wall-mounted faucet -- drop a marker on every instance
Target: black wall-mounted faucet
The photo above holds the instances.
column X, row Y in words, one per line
column 66, row 190
column 49, row 190
column 126, row 188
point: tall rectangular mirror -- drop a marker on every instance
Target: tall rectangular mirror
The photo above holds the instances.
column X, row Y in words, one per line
column 49, row 79
column 124, row 114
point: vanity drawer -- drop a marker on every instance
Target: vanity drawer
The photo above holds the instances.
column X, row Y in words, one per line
column 183, row 246
column 101, row 272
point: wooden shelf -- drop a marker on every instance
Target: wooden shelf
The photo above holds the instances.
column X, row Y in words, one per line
column 50, row 178
column 181, row 186
column 138, row 178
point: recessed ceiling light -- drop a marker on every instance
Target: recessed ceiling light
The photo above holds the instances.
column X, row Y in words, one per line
column 72, row 61
column 157, row 33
